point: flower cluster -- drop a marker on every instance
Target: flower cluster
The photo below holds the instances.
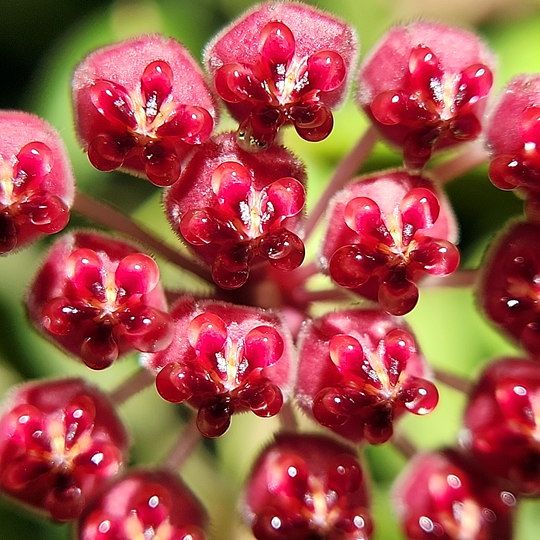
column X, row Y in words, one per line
column 260, row 336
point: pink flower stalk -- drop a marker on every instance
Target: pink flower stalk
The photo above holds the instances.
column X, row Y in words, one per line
column 98, row 299
column 508, row 291
column 36, row 180
column 141, row 105
column 359, row 371
column 424, row 87
column 503, row 423
column 237, row 210
column 59, row 441
column 224, row 359
column 386, row 232
column 307, row 486
column 142, row 504
column 441, row 495
column 282, row 63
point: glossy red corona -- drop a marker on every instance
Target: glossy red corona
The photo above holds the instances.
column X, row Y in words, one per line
column 502, row 419
column 508, row 291
column 441, row 495
column 144, row 504
column 238, row 210
column 513, row 136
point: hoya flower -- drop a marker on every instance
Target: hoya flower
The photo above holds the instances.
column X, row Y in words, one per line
column 36, row 181
column 425, row 86
column 141, row 105
column 144, row 504
column 282, row 63
column 359, row 371
column 386, row 232
column 59, row 441
column 513, row 136
column 503, row 423
column 442, row 495
column 307, row 486
column 237, row 210
column 99, row 298
column 224, row 359
column 508, row 289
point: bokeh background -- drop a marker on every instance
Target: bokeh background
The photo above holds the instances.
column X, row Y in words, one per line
column 41, row 41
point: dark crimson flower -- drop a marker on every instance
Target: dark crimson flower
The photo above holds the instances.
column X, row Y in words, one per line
column 304, row 487
column 282, row 63
column 424, row 87
column 141, row 105
column 237, row 210
column 224, row 359
column 513, row 136
column 360, row 370
column 503, row 422
column 441, row 495
column 385, row 233
column 99, row 298
column 144, row 505
column 509, row 288
column 36, row 181
column 59, row 441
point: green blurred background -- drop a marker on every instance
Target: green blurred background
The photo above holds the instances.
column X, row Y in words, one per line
column 40, row 43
